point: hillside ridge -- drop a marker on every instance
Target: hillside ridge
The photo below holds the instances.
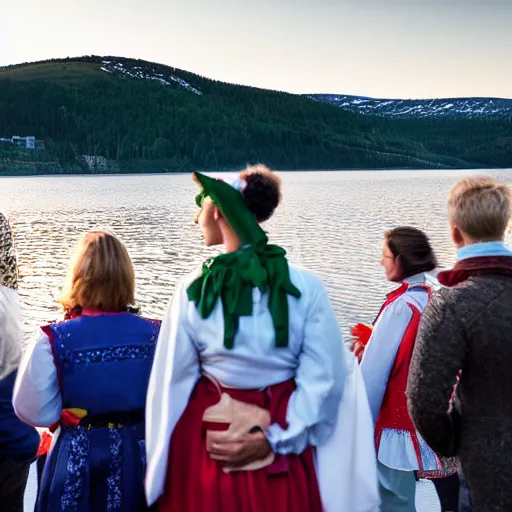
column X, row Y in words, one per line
column 115, row 114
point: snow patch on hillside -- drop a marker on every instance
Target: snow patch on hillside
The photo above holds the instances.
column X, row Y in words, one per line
column 145, row 73
column 454, row 107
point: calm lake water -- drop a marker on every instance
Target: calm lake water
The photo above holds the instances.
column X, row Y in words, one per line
column 329, row 222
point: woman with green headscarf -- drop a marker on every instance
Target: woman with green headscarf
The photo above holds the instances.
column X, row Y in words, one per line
column 245, row 409
column 18, row 441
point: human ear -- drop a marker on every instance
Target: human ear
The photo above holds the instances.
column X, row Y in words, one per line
column 457, row 237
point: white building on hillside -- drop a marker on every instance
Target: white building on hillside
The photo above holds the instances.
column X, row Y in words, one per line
column 23, row 142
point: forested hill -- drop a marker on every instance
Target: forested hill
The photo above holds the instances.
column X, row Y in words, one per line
column 140, row 115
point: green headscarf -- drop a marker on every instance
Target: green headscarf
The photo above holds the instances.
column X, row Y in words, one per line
column 232, row 276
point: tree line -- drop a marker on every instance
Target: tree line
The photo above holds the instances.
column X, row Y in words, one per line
column 136, row 121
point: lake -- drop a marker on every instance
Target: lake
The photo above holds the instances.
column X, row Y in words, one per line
column 329, row 222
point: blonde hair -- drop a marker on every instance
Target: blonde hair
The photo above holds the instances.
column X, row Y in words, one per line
column 100, row 275
column 480, row 207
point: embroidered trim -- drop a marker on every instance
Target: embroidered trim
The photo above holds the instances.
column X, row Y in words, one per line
column 76, row 470
column 114, row 497
column 68, row 357
column 107, row 355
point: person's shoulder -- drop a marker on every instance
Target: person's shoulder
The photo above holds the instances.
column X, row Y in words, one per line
column 311, row 287
column 445, row 297
column 184, row 282
column 180, row 291
column 189, row 278
column 399, row 310
column 304, row 279
column 455, row 296
column 455, row 305
column 8, row 301
column 8, row 295
column 471, row 299
column 153, row 324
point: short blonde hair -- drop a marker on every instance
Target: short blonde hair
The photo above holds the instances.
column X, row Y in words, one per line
column 100, row 276
column 480, row 207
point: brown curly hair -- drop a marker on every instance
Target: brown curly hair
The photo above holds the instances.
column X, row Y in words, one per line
column 262, row 193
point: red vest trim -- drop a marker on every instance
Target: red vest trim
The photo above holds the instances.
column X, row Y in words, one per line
column 393, row 413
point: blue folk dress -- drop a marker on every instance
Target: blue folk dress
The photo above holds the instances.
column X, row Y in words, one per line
column 98, row 461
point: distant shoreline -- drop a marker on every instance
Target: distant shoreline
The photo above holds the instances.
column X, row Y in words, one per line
column 230, row 170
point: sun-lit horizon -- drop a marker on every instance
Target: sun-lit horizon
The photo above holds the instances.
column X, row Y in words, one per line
column 375, row 48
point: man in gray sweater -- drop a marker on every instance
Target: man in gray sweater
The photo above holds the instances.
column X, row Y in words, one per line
column 466, row 336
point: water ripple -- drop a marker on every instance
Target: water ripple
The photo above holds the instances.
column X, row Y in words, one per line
column 329, row 222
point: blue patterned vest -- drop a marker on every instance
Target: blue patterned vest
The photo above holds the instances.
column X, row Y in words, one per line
column 104, row 362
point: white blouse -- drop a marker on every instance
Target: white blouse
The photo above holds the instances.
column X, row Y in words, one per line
column 11, row 335
column 36, row 397
column 189, row 345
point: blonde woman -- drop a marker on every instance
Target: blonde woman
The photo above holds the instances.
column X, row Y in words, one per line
column 89, row 374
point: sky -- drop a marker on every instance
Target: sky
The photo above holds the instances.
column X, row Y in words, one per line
column 376, row 48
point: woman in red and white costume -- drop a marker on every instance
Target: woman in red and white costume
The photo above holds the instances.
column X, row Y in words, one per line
column 407, row 258
column 249, row 330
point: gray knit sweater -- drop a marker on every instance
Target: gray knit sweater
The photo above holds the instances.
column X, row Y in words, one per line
column 469, row 328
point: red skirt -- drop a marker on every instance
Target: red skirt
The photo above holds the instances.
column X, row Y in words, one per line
column 197, row 483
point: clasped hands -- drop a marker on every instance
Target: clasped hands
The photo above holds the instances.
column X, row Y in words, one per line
column 235, row 449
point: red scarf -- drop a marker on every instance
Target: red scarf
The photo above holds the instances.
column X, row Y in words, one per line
column 479, row 266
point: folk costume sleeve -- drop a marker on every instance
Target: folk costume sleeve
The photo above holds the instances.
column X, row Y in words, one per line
column 437, row 358
column 320, row 378
column 37, row 399
column 10, row 313
column 348, row 482
column 10, row 331
column 173, row 376
column 380, row 353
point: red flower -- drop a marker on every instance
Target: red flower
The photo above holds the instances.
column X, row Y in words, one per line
column 362, row 332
